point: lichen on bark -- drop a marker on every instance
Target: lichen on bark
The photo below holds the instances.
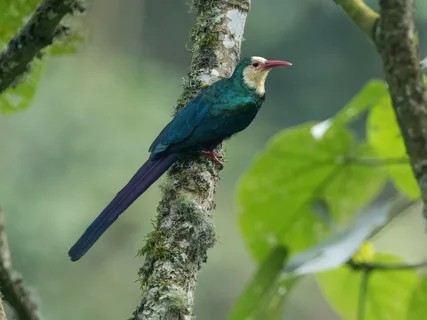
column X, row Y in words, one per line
column 184, row 229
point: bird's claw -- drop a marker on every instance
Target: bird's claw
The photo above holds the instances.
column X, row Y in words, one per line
column 215, row 157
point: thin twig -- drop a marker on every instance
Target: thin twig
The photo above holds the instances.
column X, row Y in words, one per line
column 38, row 33
column 374, row 162
column 367, row 268
column 376, row 266
column 11, row 284
column 363, row 291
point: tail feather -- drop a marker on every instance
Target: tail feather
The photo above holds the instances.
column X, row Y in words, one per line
column 138, row 184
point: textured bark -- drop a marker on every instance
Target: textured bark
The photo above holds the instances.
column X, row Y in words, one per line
column 11, row 285
column 38, row 33
column 184, row 229
column 2, row 313
column 396, row 42
column 393, row 34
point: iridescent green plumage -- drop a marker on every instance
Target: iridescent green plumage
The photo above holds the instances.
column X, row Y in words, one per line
column 226, row 107
column 221, row 110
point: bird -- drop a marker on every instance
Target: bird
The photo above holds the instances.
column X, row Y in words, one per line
column 219, row 111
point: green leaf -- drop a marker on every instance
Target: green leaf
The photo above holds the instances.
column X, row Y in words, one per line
column 368, row 96
column 337, row 249
column 302, row 166
column 20, row 97
column 276, row 302
column 66, row 45
column 262, row 295
column 418, row 307
column 383, row 134
column 12, row 17
column 388, row 292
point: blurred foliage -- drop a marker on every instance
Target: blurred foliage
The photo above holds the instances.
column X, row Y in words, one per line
column 20, row 96
column 418, row 306
column 388, row 293
column 258, row 294
column 384, row 134
column 346, row 243
column 94, row 114
column 325, row 162
column 13, row 16
column 299, row 167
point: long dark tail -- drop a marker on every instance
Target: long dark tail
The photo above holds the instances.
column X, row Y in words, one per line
column 141, row 181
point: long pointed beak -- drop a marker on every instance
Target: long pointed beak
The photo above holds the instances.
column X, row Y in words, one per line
column 276, row 63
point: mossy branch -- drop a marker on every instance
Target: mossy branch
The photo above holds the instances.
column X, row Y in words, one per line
column 184, row 229
column 38, row 33
column 360, row 13
column 11, row 285
column 393, row 34
column 2, row 313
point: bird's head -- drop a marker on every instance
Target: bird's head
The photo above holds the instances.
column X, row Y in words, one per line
column 254, row 70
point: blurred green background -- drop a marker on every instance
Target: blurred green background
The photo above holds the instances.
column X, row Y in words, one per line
column 96, row 113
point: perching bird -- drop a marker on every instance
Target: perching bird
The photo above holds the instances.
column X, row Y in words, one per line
column 216, row 113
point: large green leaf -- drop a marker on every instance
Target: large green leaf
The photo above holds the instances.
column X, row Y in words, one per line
column 368, row 96
column 384, row 135
column 387, row 296
column 302, row 166
column 262, row 291
column 418, row 306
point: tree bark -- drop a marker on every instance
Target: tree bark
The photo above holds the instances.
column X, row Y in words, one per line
column 395, row 40
column 11, row 284
column 184, row 229
column 393, row 34
column 2, row 313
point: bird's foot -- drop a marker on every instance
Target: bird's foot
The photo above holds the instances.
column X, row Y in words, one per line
column 216, row 158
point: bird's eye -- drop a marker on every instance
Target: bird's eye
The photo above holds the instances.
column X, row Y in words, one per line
column 255, row 64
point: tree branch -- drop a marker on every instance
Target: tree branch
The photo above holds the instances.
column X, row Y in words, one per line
column 376, row 162
column 395, row 41
column 11, row 284
column 377, row 266
column 184, row 229
column 363, row 291
column 394, row 37
column 2, row 313
column 362, row 15
column 38, row 33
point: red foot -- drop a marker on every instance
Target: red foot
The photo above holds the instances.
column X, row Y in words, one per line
column 215, row 157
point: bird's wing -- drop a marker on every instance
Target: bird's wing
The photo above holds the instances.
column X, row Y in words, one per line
column 210, row 117
column 182, row 125
column 220, row 122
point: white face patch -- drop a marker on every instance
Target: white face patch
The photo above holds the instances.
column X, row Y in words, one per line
column 255, row 77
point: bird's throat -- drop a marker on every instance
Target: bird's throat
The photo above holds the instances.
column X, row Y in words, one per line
column 255, row 80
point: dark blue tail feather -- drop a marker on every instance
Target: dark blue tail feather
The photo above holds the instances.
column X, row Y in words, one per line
column 140, row 182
